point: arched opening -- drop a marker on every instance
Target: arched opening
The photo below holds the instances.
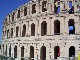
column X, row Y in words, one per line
column 11, row 32
column 44, row 6
column 24, row 31
column 31, row 52
column 17, row 31
column 10, row 51
column 43, row 28
column 56, row 27
column 71, row 10
column 8, row 33
column 25, row 11
column 71, row 26
column 33, row 8
column 56, row 52
column 32, row 29
column 15, row 52
column 18, row 15
column 13, row 16
column 22, row 53
column 43, row 53
column 6, row 51
column 72, row 51
column 3, row 49
column 56, row 8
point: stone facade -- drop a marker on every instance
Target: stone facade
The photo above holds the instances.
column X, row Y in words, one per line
column 41, row 29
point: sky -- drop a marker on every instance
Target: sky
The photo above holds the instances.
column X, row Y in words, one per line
column 6, row 7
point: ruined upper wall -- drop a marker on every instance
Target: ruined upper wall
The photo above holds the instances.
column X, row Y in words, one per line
column 36, row 7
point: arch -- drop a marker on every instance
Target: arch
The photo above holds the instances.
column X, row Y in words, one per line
column 11, row 32
column 33, row 8
column 15, row 52
column 13, row 16
column 10, row 51
column 56, row 52
column 43, row 28
column 24, row 31
column 25, row 11
column 56, row 27
column 17, row 31
column 43, row 53
column 6, row 51
column 71, row 11
column 72, row 51
column 31, row 52
column 32, row 29
column 8, row 33
column 44, row 6
column 56, row 9
column 3, row 49
column 71, row 26
column 18, row 15
column 22, row 53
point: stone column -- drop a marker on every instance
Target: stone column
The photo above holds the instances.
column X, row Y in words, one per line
column 8, row 46
column 12, row 51
column 19, row 52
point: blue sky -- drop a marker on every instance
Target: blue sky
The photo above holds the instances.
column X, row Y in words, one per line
column 6, row 7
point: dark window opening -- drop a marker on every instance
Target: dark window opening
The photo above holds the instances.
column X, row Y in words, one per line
column 11, row 32
column 22, row 53
column 3, row 49
column 10, row 51
column 43, row 28
column 15, row 52
column 44, row 6
column 56, row 27
column 6, row 51
column 72, row 51
column 25, row 11
column 13, row 16
column 56, row 52
column 71, row 10
column 43, row 53
column 31, row 52
column 33, row 8
column 18, row 15
column 7, row 33
column 56, row 9
column 9, row 18
column 24, row 31
column 32, row 29
column 71, row 26
column 17, row 31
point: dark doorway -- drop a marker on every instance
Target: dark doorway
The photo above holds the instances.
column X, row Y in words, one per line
column 32, row 29
column 56, row 27
column 71, row 26
column 43, row 53
column 56, row 52
column 24, row 31
column 72, row 51
column 15, row 52
column 31, row 52
column 10, row 51
column 43, row 28
column 22, row 53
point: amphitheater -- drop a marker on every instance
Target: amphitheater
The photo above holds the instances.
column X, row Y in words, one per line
column 42, row 30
